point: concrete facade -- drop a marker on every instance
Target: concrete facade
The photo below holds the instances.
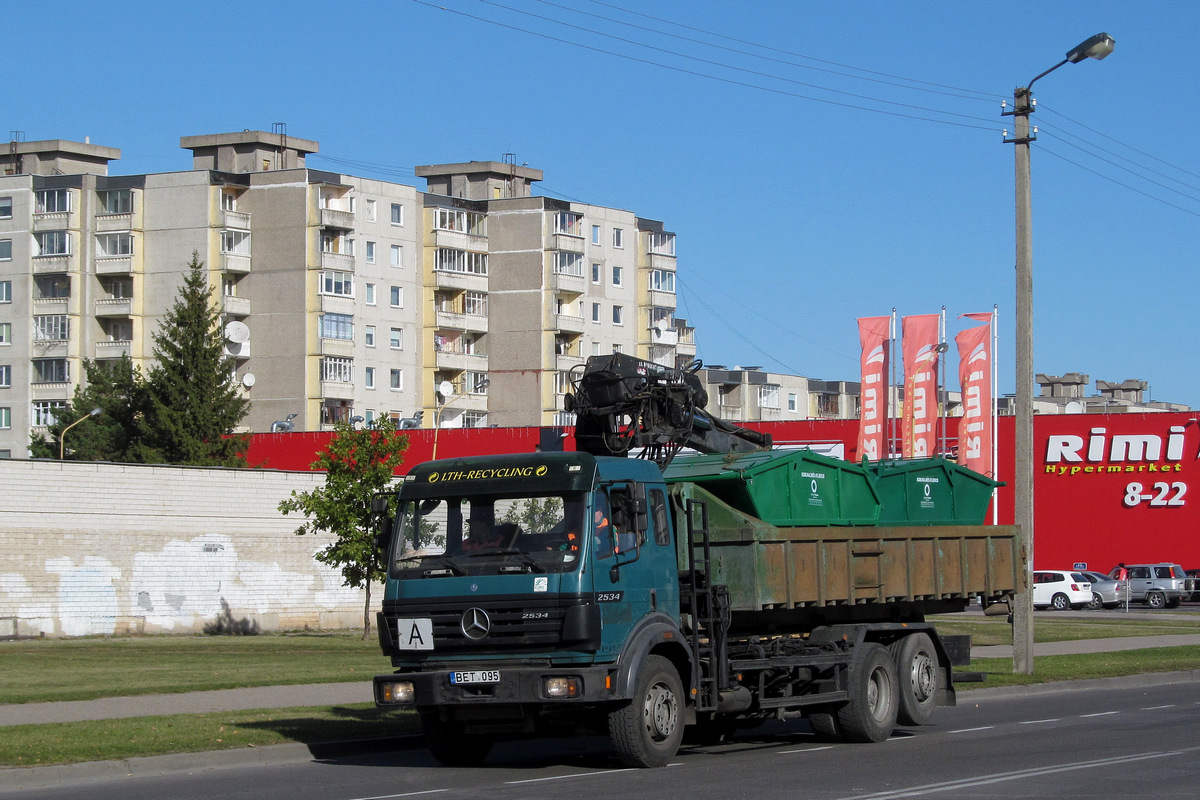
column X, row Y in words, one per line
column 138, row 549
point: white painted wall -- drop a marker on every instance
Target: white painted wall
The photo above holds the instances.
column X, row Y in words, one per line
column 106, row 549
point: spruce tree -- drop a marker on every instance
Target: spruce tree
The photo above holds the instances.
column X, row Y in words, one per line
column 117, row 389
column 192, row 404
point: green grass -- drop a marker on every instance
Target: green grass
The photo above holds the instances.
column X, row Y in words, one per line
column 106, row 740
column 1049, row 669
column 83, row 669
column 996, row 631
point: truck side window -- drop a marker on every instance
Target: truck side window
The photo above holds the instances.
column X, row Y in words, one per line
column 658, row 517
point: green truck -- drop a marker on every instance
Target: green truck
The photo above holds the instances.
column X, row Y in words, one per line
column 682, row 594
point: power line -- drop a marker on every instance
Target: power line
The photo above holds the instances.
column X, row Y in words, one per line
column 1119, row 183
column 1126, row 169
column 1111, row 139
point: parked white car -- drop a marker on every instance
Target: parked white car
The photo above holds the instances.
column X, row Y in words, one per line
column 1060, row 589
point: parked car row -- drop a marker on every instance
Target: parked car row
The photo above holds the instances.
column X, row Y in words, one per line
column 1163, row 585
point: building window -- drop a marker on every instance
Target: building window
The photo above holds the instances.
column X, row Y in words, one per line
column 118, row 330
column 474, row 419
column 596, row 273
column 595, row 312
column 337, row 326
column 397, row 256
column 370, row 210
column 397, row 214
column 568, row 263
column 475, row 304
column 568, row 223
column 396, row 380
column 618, row 238
column 370, row 336
column 338, row 284
column 5, row 291
column 228, row 201
column 53, row 201
column 120, row 201
column 114, row 244
column 370, row 252
column 52, row 243
column 51, row 286
column 44, row 411
column 6, row 207
column 369, row 377
column 235, row 242
column 337, row 370
column 5, row 333
column 397, row 297
column 396, row 341
column 5, row 419
column 469, row 262
column 616, row 279
column 617, row 315
column 5, row 249
column 52, row 328
column 595, row 234
column 50, row 370
column 662, row 280
column 369, row 291
column 450, row 219
column 475, row 382
column 662, row 244
column 5, row 376
column 791, row 401
column 768, row 396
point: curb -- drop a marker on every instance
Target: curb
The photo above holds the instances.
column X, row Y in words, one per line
column 1122, row 682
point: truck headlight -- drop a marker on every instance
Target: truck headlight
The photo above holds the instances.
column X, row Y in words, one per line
column 570, row 686
column 396, row 692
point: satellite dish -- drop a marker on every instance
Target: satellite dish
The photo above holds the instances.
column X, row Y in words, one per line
column 1073, row 407
column 248, row 380
column 237, row 332
column 445, row 389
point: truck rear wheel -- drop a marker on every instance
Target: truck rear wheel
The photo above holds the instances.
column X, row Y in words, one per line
column 870, row 713
column 647, row 731
column 450, row 745
column 825, row 725
column 920, row 678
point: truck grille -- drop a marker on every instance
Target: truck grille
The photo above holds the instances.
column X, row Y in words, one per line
column 512, row 623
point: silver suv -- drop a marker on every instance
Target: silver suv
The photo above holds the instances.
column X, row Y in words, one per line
column 1156, row 585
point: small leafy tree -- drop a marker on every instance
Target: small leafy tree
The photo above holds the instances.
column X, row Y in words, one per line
column 192, row 404
column 536, row 516
column 358, row 465
column 118, row 390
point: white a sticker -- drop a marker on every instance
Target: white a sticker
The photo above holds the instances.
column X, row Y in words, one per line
column 414, row 634
column 541, row 584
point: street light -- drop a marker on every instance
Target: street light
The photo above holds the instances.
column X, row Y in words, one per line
column 62, row 436
column 443, row 390
column 1097, row 47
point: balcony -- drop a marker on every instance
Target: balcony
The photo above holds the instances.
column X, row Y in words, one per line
column 462, row 322
column 235, row 306
column 114, row 223
column 114, row 265
column 659, row 261
column 569, row 323
column 67, row 262
column 238, row 350
column 336, row 304
column 460, row 281
column 50, row 348
column 458, row 362
column 114, row 307
column 332, row 218
column 564, row 363
column 566, row 243
column 337, row 347
column 51, row 391
column 235, row 262
column 337, row 390
column 662, row 299
column 239, row 220
column 571, row 284
column 52, row 305
column 663, row 337
column 114, row 349
column 337, row 261
column 55, row 221
column 455, row 240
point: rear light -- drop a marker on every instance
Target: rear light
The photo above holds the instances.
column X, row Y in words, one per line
column 1074, row 588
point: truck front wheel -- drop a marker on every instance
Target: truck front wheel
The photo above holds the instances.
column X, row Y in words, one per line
column 920, row 678
column 647, row 731
column 450, row 745
column 870, row 713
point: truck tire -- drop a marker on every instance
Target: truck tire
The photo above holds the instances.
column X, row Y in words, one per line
column 920, row 678
column 870, row 713
column 825, row 725
column 646, row 732
column 450, row 745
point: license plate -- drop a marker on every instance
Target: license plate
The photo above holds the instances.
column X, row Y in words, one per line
column 475, row 676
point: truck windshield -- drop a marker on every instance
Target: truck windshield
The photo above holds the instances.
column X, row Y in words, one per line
column 449, row 536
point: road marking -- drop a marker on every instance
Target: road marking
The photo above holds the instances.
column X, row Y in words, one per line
column 573, row 775
column 405, row 794
column 972, row 730
column 1098, row 714
column 1036, row 721
column 1156, row 708
column 806, row 750
column 1000, row 777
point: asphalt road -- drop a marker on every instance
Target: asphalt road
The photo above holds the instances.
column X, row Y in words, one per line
column 1132, row 737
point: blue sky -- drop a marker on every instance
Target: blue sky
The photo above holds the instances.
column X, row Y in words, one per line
column 819, row 161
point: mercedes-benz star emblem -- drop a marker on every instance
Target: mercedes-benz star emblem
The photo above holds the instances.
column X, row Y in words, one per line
column 476, row 624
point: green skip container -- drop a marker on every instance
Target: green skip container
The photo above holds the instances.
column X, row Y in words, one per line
column 784, row 487
column 930, row 491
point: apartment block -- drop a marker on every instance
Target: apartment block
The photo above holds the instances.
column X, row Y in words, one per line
column 342, row 297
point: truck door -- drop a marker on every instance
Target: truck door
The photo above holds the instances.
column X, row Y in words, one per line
column 633, row 571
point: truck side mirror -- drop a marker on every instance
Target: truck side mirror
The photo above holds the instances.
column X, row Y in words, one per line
column 383, row 521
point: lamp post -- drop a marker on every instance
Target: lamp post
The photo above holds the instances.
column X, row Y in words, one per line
column 444, row 389
column 1096, row 47
column 62, row 436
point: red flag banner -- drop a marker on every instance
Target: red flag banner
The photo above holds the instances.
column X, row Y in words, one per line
column 874, row 333
column 975, row 434
column 919, row 346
